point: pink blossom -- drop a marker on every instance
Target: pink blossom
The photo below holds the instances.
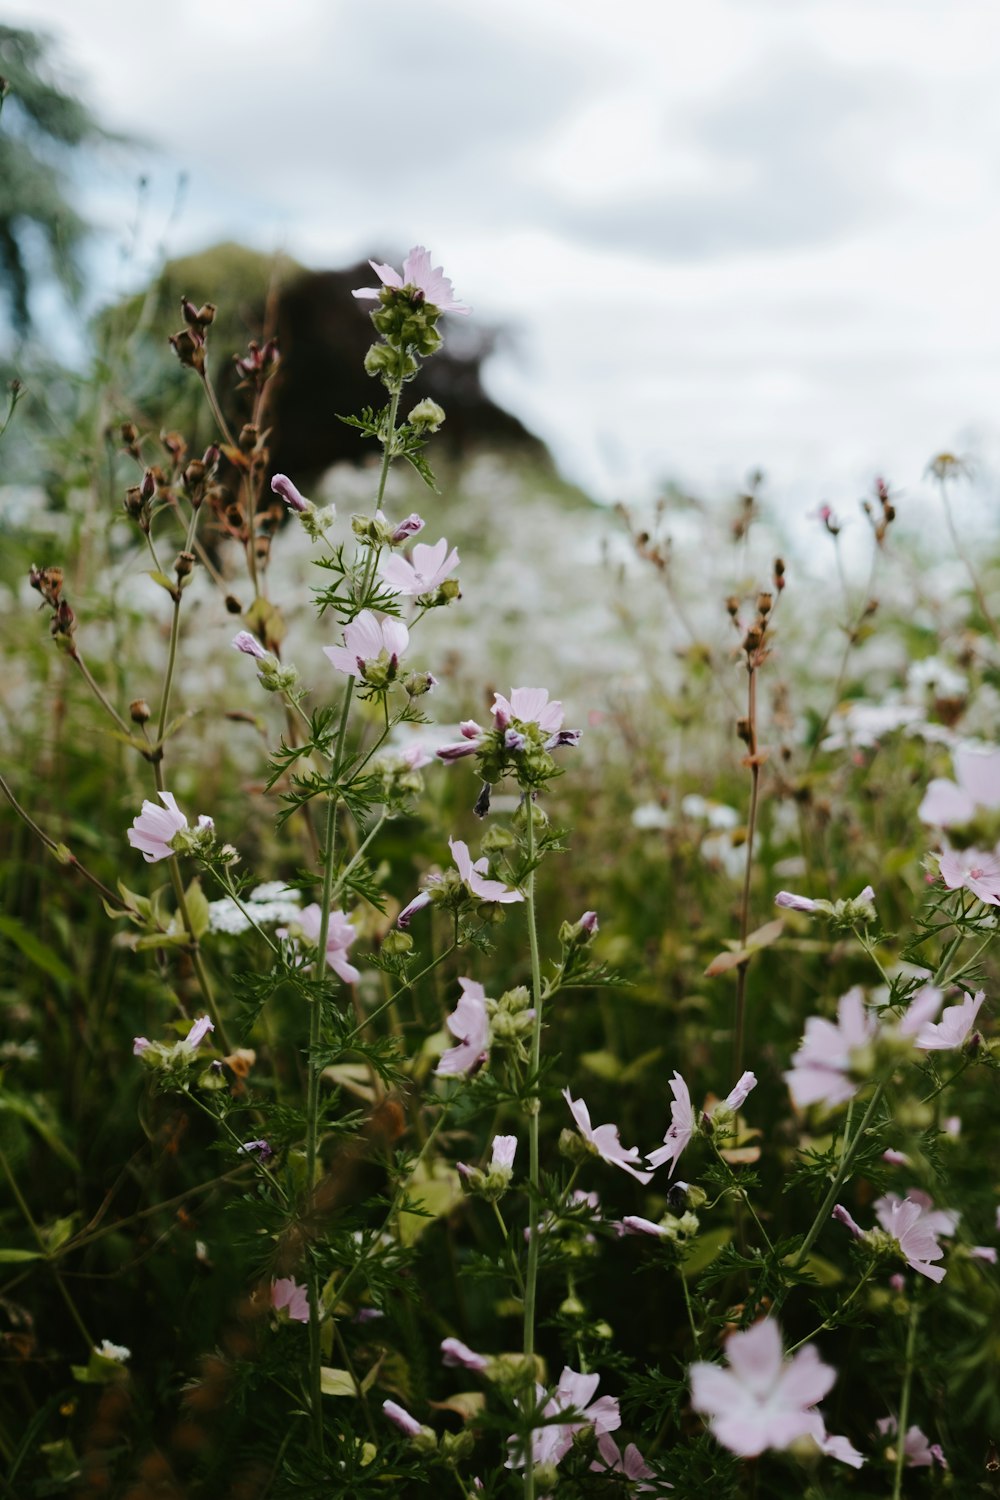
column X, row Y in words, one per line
column 983, row 1252
column 954, row 1026
column 974, row 871
column 918, row 1453
column 573, row 1396
column 472, row 737
column 470, row 1024
column 458, row 1356
column 419, row 274
column 283, row 486
column 429, row 567
column 737, row 1095
column 682, row 1127
column 914, row 1224
column 762, row 1400
column 368, row 640
column 407, row 527
column 199, row 1030
column 635, row 1224
column 840, row 1448
column 398, row 1415
column 474, row 876
column 922, row 1008
column 339, row 937
column 504, row 1151
column 605, row 1140
column 632, row 1464
column 155, row 828
column 249, row 645
column 789, row 900
column 821, row 1068
column 532, row 706
column 294, row 1299
column 896, row 1158
column 951, row 804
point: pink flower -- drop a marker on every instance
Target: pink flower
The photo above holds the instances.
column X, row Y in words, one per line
column 983, row 1252
column 532, row 706
column 200, row 1028
column 762, row 1400
column 975, row 871
column 154, row 830
column 407, row 527
column 918, row 1453
column 398, row 1414
column 605, row 1140
column 504, row 1151
column 369, row 642
column 914, row 1224
column 682, row 1127
column 429, row 567
column 635, row 1224
column 792, row 902
column 339, row 937
column 922, row 1008
column 249, row 645
column 738, row 1094
column 954, row 1026
column 472, row 737
column 283, row 486
column 458, row 1356
column 632, row 1465
column 470, row 1024
column 474, row 876
column 821, row 1069
column 419, row 274
column 573, row 1396
column 950, row 804
column 294, row 1299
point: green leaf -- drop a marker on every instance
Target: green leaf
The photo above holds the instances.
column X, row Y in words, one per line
column 37, row 952
column 336, row 1382
column 197, row 905
column 163, row 581
column 28, row 1113
column 15, row 1257
column 706, row 1248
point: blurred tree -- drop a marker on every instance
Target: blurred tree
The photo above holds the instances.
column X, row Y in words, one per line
column 40, row 126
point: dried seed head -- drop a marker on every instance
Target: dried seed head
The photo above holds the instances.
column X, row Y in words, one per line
column 140, row 711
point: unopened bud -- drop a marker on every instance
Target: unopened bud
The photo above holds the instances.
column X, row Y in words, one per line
column 397, row 944
column 140, row 711
column 248, row 437
column 427, row 414
column 189, row 347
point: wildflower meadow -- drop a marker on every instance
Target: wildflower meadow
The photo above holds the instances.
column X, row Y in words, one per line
column 499, row 994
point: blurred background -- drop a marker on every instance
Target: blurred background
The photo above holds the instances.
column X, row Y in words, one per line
column 708, row 238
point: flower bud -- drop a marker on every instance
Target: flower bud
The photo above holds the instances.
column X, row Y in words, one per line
column 397, row 944
column 496, row 839
column 427, row 414
column 189, row 347
column 419, row 683
column 140, row 711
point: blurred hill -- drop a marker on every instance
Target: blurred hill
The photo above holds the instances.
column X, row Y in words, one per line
column 323, row 335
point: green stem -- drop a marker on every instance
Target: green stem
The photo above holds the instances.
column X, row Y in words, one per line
column 904, row 1401
column 64, row 855
column 97, row 691
column 341, row 880
column 831, row 1322
column 690, row 1311
column 847, row 1156
column 396, row 994
column 534, row 1108
column 506, row 1239
column 204, row 983
column 71, row 1306
column 397, row 1200
column 739, row 1188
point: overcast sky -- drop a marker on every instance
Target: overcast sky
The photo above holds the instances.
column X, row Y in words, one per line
column 737, row 233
